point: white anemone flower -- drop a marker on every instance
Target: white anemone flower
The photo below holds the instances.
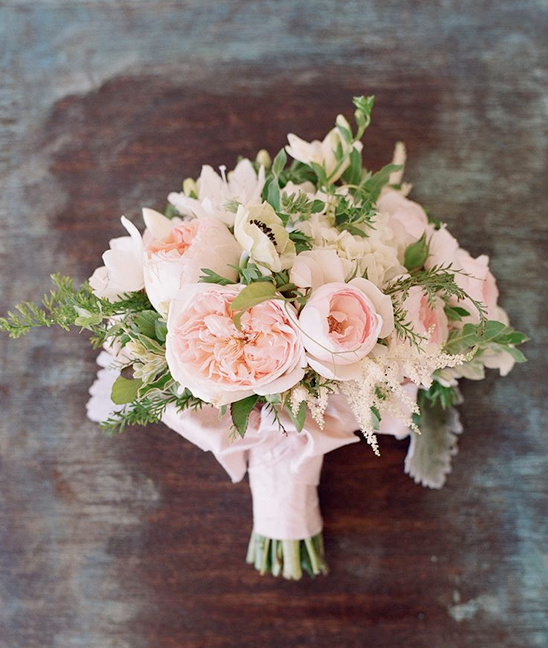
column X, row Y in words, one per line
column 214, row 192
column 261, row 233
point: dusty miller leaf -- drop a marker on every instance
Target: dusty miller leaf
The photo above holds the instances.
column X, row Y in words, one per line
column 428, row 459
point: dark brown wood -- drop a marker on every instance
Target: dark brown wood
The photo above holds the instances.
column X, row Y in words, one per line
column 139, row 541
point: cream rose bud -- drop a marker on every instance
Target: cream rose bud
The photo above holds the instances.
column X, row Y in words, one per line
column 176, row 252
column 341, row 323
column 261, row 233
column 123, row 269
column 220, row 363
column 313, row 268
column 429, row 322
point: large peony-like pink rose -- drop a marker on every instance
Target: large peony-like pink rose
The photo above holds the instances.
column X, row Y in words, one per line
column 176, row 251
column 340, row 325
column 220, row 364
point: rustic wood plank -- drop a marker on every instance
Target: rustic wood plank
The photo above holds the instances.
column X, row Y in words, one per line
column 139, row 541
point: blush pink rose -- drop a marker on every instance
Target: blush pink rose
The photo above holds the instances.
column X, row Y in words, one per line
column 406, row 217
column 472, row 275
column 176, row 251
column 220, row 364
column 430, row 322
column 478, row 282
column 442, row 247
column 340, row 325
column 313, row 268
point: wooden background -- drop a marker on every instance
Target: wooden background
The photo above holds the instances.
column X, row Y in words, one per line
column 139, row 541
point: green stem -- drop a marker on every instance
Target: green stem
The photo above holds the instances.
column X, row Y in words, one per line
column 287, row 557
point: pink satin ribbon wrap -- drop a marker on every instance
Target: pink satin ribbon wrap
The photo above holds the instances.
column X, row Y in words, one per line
column 284, row 468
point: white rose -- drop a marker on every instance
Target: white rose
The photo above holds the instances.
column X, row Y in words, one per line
column 123, row 269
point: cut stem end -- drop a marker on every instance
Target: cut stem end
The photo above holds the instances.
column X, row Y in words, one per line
column 287, row 558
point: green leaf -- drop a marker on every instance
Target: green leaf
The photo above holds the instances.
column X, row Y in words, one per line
column 274, row 195
column 362, row 114
column 279, row 162
column 492, row 331
column 416, row 254
column 428, row 459
column 253, row 294
column 160, row 330
column 353, row 173
column 516, row 354
column 240, row 411
column 146, row 323
column 455, row 313
column 320, row 173
column 317, row 206
column 345, row 132
column 212, row 277
column 302, row 241
column 124, row 390
column 376, row 417
column 373, row 186
column 87, row 319
column 300, row 418
column 462, row 340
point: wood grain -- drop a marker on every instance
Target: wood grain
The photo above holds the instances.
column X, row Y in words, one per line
column 139, row 541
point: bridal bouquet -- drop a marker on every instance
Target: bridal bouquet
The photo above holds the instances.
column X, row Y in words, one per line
column 271, row 312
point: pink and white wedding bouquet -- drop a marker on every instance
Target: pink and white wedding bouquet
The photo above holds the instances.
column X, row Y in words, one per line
column 271, row 312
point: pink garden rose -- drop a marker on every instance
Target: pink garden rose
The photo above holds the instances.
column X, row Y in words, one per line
column 313, row 268
column 406, row 217
column 430, row 322
column 220, row 364
column 176, row 251
column 340, row 325
column 478, row 282
column 474, row 276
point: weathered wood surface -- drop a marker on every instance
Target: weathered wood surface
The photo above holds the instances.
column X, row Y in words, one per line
column 139, row 541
